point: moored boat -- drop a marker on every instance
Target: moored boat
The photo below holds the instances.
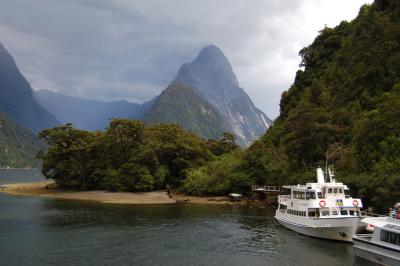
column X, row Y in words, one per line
column 321, row 209
column 383, row 245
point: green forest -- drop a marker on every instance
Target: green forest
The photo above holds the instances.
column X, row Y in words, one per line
column 127, row 156
column 344, row 102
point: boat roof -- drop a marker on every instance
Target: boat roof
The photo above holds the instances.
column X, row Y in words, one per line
column 383, row 222
column 317, row 185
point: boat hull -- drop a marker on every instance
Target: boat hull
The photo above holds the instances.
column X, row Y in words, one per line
column 332, row 229
column 376, row 253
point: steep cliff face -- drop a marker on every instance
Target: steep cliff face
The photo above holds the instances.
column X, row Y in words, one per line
column 16, row 98
column 212, row 77
column 181, row 105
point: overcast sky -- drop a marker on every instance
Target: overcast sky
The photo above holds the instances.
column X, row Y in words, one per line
column 132, row 49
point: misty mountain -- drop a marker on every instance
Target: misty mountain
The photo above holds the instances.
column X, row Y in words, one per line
column 181, row 105
column 87, row 114
column 212, row 77
column 16, row 98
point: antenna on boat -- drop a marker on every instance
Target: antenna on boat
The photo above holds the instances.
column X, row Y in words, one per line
column 328, row 172
column 326, row 167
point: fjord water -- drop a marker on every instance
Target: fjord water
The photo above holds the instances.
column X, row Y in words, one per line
column 37, row 231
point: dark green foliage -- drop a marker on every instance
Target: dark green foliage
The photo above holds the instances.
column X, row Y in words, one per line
column 218, row 177
column 18, row 146
column 128, row 156
column 346, row 100
column 226, row 144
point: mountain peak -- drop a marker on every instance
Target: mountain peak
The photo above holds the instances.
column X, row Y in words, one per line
column 211, row 53
column 212, row 77
column 214, row 56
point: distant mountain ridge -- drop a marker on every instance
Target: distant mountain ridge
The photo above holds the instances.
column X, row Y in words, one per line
column 89, row 114
column 204, row 98
column 212, row 76
column 16, row 98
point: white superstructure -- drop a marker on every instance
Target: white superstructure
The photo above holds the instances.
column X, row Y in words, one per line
column 321, row 209
column 383, row 245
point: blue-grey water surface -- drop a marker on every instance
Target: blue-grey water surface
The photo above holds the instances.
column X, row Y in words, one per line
column 36, row 231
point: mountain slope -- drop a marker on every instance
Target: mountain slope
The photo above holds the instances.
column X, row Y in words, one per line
column 346, row 102
column 86, row 114
column 181, row 105
column 211, row 75
column 18, row 146
column 16, row 98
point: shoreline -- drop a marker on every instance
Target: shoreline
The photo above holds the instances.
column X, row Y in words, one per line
column 47, row 189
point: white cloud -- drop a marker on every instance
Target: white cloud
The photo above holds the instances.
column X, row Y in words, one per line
column 124, row 49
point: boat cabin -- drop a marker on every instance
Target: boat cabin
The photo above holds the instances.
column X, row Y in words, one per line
column 321, row 199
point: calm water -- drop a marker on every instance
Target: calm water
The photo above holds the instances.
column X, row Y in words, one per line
column 36, row 231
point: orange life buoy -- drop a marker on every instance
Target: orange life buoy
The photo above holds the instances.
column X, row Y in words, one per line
column 355, row 203
column 322, row 203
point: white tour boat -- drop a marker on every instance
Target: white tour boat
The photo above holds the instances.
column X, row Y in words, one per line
column 320, row 209
column 383, row 245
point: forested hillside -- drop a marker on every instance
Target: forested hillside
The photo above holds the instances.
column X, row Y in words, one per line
column 181, row 105
column 345, row 100
column 18, row 146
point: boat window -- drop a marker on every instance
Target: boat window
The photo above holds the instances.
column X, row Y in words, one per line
column 320, row 195
column 351, row 212
column 384, row 236
column 390, row 237
column 324, row 213
column 343, row 212
column 312, row 213
column 335, row 190
column 334, row 212
column 393, row 238
column 329, row 190
column 299, row 195
column 310, row 195
column 340, row 190
column 357, row 213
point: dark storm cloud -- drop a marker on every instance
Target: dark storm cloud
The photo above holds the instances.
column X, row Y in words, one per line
column 125, row 49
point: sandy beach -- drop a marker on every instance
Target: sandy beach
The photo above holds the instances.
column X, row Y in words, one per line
column 47, row 189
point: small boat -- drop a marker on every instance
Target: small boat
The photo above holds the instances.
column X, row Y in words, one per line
column 383, row 245
column 322, row 209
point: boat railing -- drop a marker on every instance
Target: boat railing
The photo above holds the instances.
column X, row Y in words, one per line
column 370, row 214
